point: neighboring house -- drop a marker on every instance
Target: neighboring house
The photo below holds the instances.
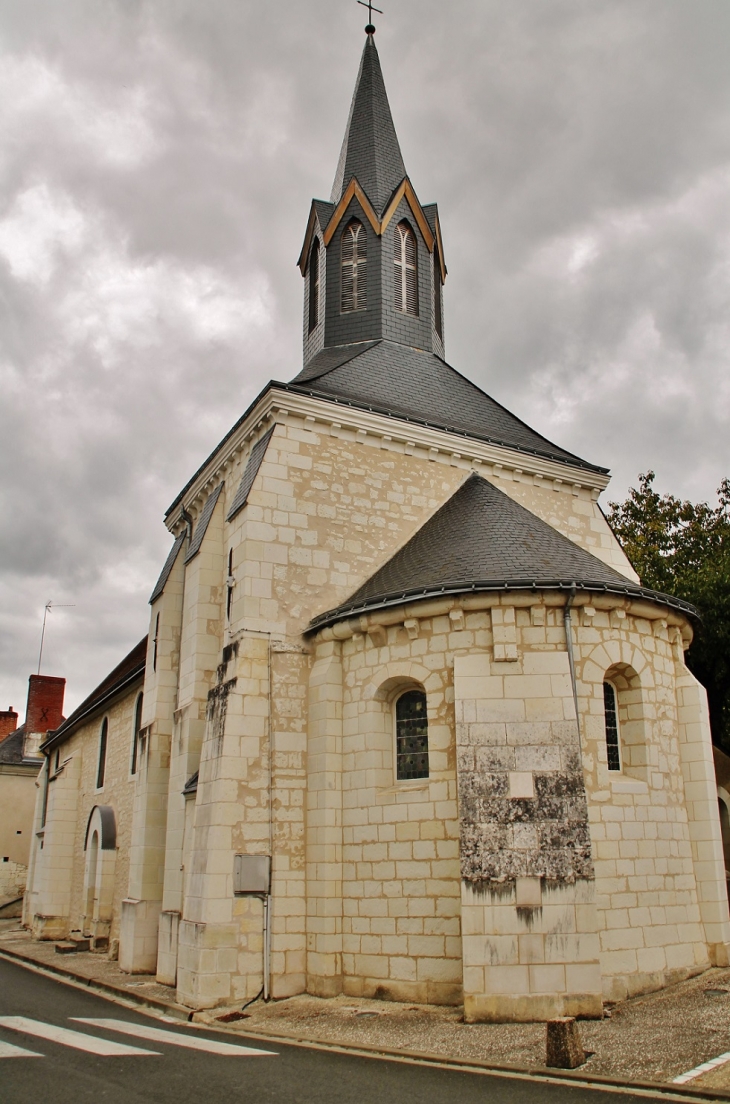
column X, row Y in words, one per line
column 411, row 727
column 20, row 762
column 83, row 824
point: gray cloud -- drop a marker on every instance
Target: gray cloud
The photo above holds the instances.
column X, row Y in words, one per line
column 157, row 165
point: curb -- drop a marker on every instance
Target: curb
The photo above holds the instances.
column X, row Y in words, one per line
column 171, row 1009
column 371, row 1050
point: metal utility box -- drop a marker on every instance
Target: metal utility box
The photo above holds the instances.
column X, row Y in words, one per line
column 251, row 875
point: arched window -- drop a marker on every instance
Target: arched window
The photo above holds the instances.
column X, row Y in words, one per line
column 354, row 267
column 411, row 735
column 438, row 320
column 610, row 712
column 135, row 732
column 103, row 736
column 405, row 257
column 314, row 285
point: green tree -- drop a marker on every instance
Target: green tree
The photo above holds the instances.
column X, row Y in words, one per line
column 682, row 548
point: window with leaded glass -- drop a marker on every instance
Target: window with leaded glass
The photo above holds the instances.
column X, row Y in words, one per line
column 411, row 735
column 405, row 259
column 101, row 768
column 135, row 734
column 314, row 285
column 354, row 268
column 610, row 712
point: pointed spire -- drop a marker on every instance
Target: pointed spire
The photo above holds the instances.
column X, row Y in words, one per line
column 370, row 150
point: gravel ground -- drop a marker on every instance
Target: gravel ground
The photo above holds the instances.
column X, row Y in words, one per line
column 651, row 1038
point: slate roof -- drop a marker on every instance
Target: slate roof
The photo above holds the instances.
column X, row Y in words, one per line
column 481, row 539
column 191, row 786
column 11, row 750
column 370, row 150
column 203, row 522
column 169, row 564
column 249, row 474
column 407, row 383
column 123, row 675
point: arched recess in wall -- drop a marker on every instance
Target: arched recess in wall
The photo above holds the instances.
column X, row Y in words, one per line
column 622, row 686
column 396, row 719
column 629, row 674
column 100, row 845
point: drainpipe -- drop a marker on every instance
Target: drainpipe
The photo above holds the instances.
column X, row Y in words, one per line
column 567, row 622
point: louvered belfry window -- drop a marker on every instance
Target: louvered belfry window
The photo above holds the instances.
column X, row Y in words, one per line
column 406, row 269
column 354, row 268
column 314, row 285
column 438, row 320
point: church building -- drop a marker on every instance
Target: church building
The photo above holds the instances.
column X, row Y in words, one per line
column 406, row 723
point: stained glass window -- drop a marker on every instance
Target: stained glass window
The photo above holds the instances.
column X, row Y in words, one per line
column 411, row 722
column 611, row 718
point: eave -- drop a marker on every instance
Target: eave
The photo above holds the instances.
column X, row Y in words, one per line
column 281, row 402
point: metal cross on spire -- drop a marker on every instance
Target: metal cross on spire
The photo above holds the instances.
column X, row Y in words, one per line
column 370, row 29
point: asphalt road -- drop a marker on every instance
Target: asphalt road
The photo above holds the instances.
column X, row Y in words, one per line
column 69, row 1068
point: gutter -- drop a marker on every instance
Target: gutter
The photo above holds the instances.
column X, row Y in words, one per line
column 386, row 601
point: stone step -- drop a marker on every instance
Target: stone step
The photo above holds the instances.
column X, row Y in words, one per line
column 66, row 947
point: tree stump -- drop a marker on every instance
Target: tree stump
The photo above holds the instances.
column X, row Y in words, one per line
column 564, row 1046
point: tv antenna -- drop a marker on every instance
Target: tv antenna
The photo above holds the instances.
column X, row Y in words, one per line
column 46, row 611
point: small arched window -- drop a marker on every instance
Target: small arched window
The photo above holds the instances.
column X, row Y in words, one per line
column 354, row 268
column 405, row 258
column 411, row 735
column 136, row 732
column 314, row 285
column 438, row 320
column 103, row 738
column 610, row 713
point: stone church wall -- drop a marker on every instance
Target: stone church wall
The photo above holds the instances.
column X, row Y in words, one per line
column 60, row 897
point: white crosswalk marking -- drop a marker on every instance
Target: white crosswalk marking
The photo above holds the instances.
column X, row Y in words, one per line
column 157, row 1035
column 70, row 1038
column 7, row 1050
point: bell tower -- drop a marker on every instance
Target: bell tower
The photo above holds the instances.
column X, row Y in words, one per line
column 372, row 258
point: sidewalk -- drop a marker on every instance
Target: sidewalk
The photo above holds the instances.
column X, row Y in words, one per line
column 649, row 1039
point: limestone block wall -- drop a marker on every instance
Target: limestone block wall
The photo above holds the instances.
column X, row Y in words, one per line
column 528, row 896
column 331, row 503
column 58, row 896
column 650, row 924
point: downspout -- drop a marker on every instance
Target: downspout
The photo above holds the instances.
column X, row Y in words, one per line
column 567, row 622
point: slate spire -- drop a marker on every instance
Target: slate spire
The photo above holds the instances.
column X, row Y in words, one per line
column 370, row 150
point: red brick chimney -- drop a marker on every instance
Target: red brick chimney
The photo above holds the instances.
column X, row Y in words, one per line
column 8, row 722
column 44, row 711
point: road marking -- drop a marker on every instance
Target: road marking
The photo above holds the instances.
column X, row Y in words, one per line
column 69, row 1038
column 699, row 1070
column 7, row 1050
column 158, row 1035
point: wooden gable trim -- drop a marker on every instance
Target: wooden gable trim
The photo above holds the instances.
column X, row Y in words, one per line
column 406, row 191
column 442, row 264
column 352, row 191
column 304, row 255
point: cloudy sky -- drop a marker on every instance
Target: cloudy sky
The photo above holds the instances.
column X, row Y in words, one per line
column 157, row 162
